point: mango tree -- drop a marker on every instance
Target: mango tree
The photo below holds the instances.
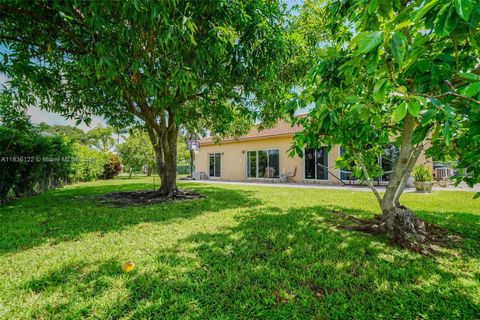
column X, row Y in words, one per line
column 162, row 64
column 405, row 72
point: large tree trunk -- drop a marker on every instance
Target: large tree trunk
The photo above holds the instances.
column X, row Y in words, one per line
column 165, row 147
column 399, row 223
column 168, row 173
column 404, row 228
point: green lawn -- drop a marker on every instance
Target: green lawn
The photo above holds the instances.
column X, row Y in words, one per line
column 240, row 252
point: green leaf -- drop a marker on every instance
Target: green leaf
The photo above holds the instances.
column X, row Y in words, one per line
column 372, row 6
column 447, row 133
column 469, row 76
column 380, row 90
column 378, row 86
column 423, row 65
column 334, row 117
column 370, row 42
column 364, row 115
column 424, row 10
column 414, row 108
column 420, row 133
column 403, row 24
column 400, row 112
column 464, row 8
column 471, row 90
column 446, row 21
column 399, row 43
column 353, row 43
column 421, row 100
column 428, row 116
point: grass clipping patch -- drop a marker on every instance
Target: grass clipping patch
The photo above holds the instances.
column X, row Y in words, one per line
column 145, row 197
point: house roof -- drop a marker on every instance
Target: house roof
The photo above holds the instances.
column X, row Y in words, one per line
column 281, row 129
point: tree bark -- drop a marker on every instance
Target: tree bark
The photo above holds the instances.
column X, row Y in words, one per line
column 367, row 177
column 400, row 168
column 398, row 222
column 165, row 147
column 411, row 163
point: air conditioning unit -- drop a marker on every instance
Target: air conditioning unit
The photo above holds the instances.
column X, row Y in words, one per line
column 443, row 173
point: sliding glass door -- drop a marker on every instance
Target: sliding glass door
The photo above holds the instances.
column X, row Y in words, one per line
column 214, row 163
column 263, row 164
column 386, row 161
column 316, row 164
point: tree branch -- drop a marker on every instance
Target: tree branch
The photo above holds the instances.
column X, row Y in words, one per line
column 449, row 93
column 411, row 163
column 367, row 177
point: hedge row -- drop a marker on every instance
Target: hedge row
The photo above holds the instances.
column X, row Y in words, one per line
column 31, row 162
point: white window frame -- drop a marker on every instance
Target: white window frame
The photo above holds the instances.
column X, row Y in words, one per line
column 256, row 162
column 305, row 171
column 213, row 154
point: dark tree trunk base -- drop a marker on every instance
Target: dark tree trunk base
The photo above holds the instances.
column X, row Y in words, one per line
column 132, row 198
column 404, row 229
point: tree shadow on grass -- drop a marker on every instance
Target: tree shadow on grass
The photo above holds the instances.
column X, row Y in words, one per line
column 67, row 214
column 278, row 264
column 88, row 281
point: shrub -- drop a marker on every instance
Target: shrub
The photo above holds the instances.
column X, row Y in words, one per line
column 31, row 162
column 421, row 173
column 112, row 167
column 88, row 165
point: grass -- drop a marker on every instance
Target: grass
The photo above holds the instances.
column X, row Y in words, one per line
column 241, row 252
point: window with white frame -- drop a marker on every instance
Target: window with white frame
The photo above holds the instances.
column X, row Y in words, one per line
column 316, row 164
column 214, row 164
column 263, row 163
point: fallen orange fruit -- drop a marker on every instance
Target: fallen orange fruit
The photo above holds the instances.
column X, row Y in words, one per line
column 128, row 266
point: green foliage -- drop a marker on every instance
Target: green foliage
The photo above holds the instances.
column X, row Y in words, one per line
column 112, row 167
column 71, row 133
column 101, row 138
column 183, row 168
column 164, row 64
column 12, row 115
column 136, row 151
column 386, row 68
column 183, row 155
column 31, row 162
column 88, row 165
column 421, row 173
column 241, row 252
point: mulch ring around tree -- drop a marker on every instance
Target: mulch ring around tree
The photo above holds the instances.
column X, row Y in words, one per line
column 436, row 237
column 145, row 197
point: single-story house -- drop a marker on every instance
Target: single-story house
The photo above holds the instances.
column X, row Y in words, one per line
column 263, row 155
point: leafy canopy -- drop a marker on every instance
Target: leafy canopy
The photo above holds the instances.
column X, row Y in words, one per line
column 379, row 63
column 101, row 138
column 198, row 63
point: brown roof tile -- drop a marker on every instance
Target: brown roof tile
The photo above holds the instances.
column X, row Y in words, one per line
column 282, row 128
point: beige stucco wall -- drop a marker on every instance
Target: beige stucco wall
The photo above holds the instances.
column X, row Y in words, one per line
column 233, row 163
column 233, row 159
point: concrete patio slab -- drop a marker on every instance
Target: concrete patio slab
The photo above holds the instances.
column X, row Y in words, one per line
column 461, row 187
